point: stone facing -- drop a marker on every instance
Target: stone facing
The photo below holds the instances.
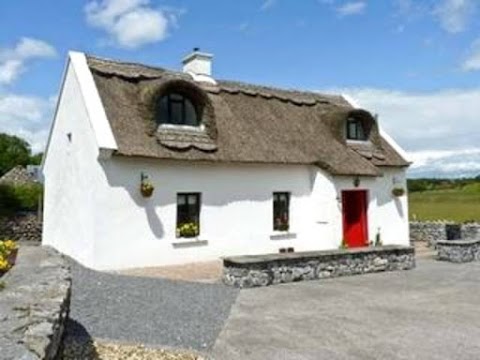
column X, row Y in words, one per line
column 433, row 231
column 458, row 251
column 271, row 269
column 21, row 227
column 34, row 304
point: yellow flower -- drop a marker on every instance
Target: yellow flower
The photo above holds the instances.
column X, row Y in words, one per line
column 10, row 244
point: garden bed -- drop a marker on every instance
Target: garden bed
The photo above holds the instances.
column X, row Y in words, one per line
column 270, row 269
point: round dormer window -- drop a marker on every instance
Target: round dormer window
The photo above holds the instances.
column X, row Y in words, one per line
column 177, row 109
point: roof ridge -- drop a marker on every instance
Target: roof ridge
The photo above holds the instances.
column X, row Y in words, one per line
column 128, row 63
column 279, row 89
column 224, row 84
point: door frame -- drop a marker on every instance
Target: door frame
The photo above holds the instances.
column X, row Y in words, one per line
column 366, row 193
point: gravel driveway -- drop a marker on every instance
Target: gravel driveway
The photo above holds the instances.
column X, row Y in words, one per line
column 156, row 312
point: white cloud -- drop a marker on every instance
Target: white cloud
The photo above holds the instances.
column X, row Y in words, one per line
column 454, row 15
column 26, row 116
column 130, row 23
column 267, row 4
column 472, row 62
column 13, row 61
column 439, row 130
column 351, row 8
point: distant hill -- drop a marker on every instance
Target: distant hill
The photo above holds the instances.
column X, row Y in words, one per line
column 471, row 185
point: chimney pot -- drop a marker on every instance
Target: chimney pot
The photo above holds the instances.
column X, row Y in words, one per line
column 198, row 63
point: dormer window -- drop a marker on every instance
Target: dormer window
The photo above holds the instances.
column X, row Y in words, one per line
column 356, row 130
column 177, row 109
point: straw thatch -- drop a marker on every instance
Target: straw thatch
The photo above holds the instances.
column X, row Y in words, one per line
column 241, row 122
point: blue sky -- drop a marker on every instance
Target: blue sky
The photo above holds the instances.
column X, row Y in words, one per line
column 415, row 63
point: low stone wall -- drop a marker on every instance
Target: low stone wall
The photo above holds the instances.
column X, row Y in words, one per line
column 458, row 251
column 264, row 270
column 434, row 231
column 21, row 227
column 34, row 304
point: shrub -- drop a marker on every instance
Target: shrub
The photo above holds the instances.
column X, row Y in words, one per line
column 14, row 198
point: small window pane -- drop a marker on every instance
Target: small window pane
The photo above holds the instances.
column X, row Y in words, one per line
column 181, row 200
column 192, row 199
column 190, row 114
column 360, row 132
column 163, row 116
column 176, row 113
column 281, row 221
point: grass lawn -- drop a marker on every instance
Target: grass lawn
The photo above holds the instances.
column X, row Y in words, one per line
column 457, row 205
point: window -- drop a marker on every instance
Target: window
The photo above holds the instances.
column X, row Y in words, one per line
column 176, row 109
column 188, row 214
column 281, row 204
column 355, row 130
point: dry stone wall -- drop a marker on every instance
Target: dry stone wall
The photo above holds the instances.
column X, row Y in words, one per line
column 21, row 227
column 434, row 231
column 34, row 305
column 264, row 270
column 459, row 251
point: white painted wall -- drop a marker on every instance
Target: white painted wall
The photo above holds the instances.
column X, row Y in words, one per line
column 236, row 212
column 71, row 175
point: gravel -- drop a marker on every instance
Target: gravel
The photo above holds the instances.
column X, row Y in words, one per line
column 155, row 312
column 99, row 350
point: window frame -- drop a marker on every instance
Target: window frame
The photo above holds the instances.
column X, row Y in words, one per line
column 196, row 213
column 358, row 123
column 285, row 227
column 170, row 103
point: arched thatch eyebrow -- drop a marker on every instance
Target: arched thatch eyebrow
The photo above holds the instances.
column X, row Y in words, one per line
column 152, row 91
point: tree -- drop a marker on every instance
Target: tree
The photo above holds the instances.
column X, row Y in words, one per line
column 13, row 151
column 36, row 159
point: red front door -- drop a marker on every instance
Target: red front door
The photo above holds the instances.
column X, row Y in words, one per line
column 354, row 204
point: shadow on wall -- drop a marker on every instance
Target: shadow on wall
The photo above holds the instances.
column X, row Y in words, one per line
column 132, row 188
column 223, row 188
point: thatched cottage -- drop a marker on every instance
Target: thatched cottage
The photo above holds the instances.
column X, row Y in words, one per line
column 146, row 166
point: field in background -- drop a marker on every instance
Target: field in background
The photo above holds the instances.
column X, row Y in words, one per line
column 460, row 204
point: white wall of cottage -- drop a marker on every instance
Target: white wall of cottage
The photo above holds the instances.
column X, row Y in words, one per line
column 95, row 213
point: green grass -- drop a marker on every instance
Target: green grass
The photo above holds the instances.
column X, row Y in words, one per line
column 458, row 205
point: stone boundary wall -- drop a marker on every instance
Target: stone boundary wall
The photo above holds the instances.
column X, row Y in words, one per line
column 264, row 270
column 459, row 251
column 34, row 304
column 21, row 227
column 434, row 231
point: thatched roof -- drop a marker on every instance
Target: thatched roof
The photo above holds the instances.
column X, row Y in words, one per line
column 242, row 122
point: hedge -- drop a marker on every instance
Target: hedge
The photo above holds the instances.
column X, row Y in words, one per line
column 15, row 198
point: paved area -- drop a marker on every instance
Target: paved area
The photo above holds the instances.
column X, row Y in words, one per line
column 204, row 272
column 431, row 312
column 155, row 312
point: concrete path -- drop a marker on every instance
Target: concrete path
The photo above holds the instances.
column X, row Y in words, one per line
column 432, row 312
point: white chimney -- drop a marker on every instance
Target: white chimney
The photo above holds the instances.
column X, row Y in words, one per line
column 199, row 65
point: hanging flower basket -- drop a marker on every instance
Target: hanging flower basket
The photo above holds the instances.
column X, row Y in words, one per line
column 146, row 188
column 398, row 191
